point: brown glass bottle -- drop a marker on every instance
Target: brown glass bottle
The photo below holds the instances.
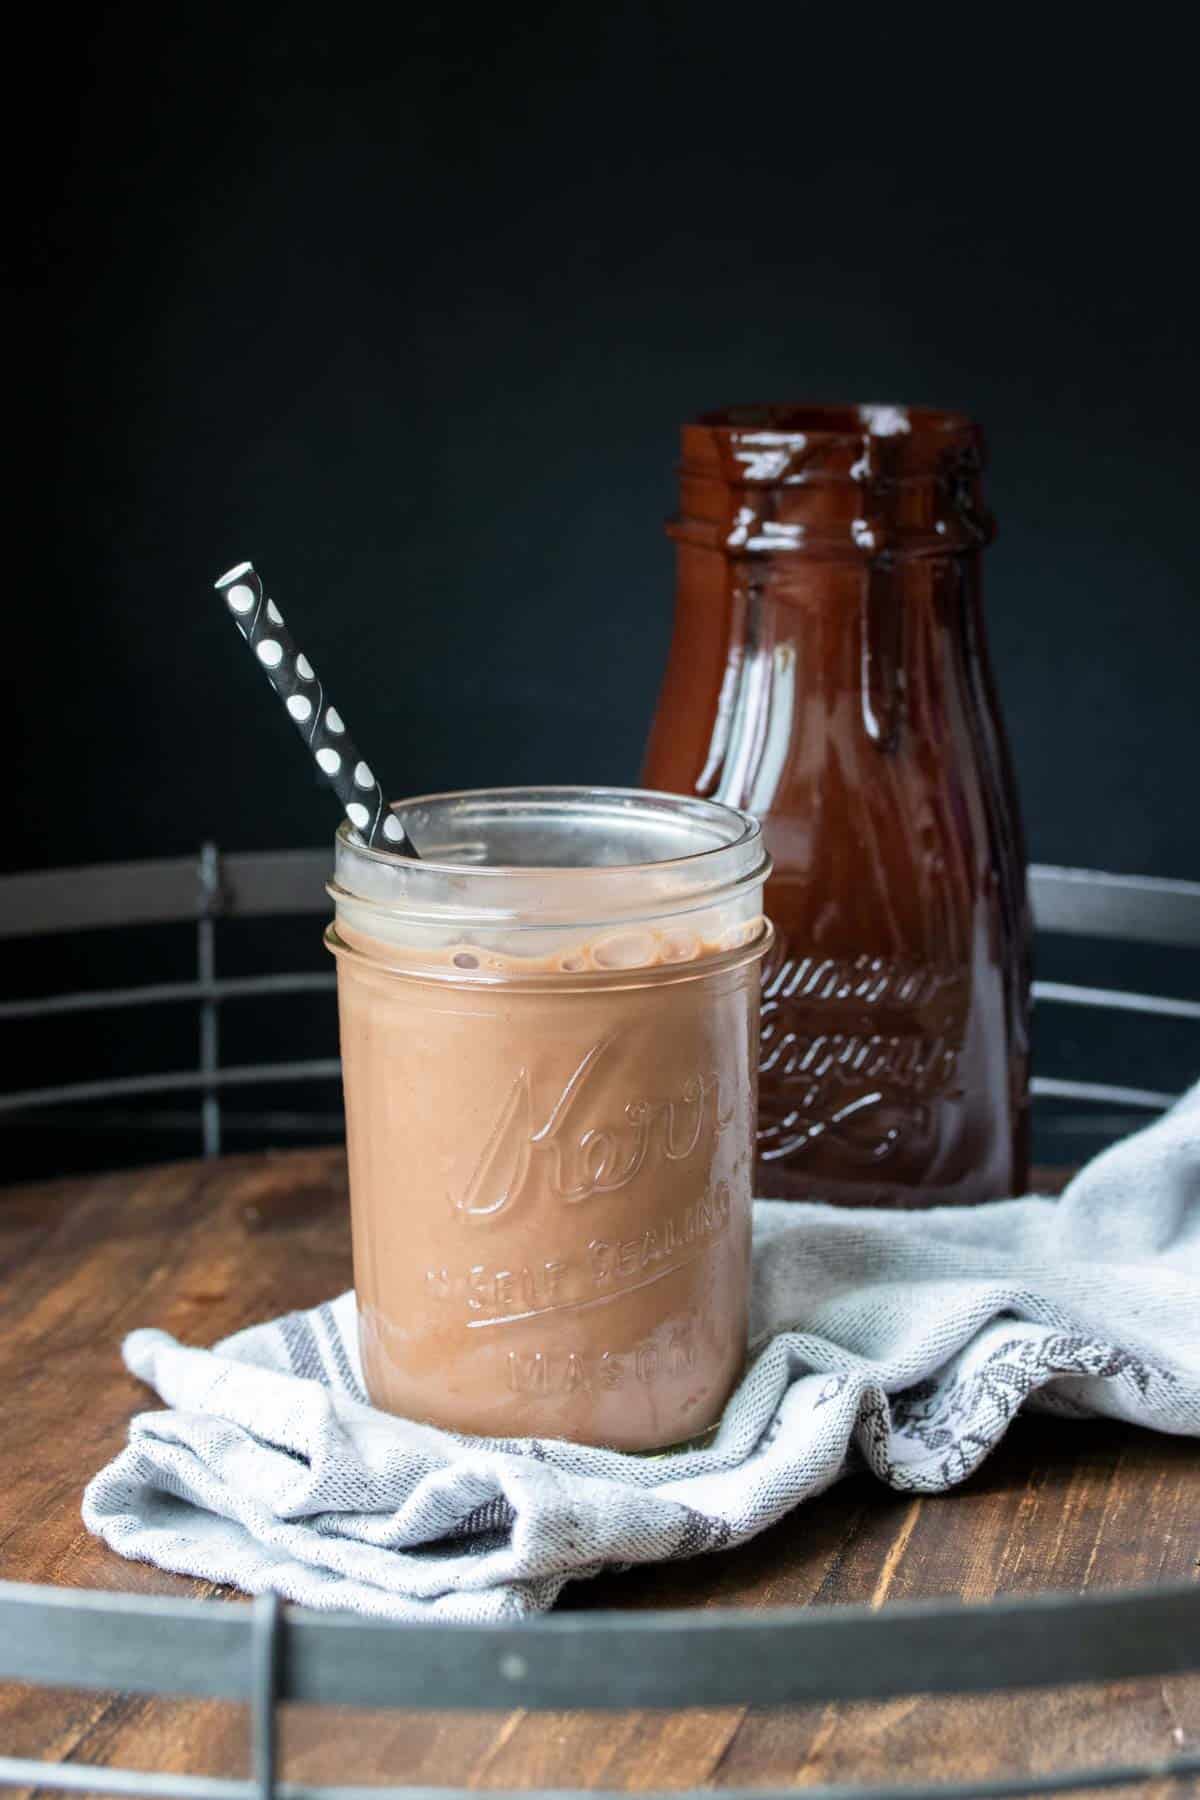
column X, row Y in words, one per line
column 829, row 673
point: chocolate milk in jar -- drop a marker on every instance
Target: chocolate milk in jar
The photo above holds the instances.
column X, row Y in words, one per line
column 828, row 673
column 549, row 1030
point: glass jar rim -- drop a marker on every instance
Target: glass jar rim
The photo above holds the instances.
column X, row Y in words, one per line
column 683, row 805
column 705, row 851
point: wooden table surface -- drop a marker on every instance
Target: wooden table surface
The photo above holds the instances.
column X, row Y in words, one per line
column 202, row 1249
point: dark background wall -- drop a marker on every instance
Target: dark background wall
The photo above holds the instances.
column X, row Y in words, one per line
column 407, row 305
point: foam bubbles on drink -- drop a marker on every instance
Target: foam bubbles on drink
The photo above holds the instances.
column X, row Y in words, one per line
column 625, row 950
column 633, row 947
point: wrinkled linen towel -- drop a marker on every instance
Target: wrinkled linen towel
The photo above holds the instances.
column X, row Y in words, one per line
column 904, row 1342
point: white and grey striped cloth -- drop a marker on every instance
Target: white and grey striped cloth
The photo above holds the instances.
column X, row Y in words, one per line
column 902, row 1342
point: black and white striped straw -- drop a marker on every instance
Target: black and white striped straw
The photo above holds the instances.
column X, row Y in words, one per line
column 320, row 725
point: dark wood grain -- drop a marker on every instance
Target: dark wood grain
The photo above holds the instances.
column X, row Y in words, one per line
column 202, row 1249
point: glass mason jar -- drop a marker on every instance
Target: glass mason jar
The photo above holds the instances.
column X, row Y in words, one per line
column 829, row 673
column 549, row 1028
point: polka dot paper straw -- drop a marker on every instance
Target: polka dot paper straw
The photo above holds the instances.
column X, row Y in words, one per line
column 319, row 724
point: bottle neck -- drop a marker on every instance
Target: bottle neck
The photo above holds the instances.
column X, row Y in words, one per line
column 860, row 495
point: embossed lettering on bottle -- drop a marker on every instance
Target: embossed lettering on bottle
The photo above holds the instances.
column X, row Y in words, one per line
column 854, row 1051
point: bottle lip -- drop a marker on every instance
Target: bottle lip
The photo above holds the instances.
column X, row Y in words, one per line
column 838, row 421
column 833, row 483
column 845, row 446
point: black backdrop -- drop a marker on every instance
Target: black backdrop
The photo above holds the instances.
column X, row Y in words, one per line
column 407, row 305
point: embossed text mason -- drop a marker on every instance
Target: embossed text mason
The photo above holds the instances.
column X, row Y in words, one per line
column 828, row 673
